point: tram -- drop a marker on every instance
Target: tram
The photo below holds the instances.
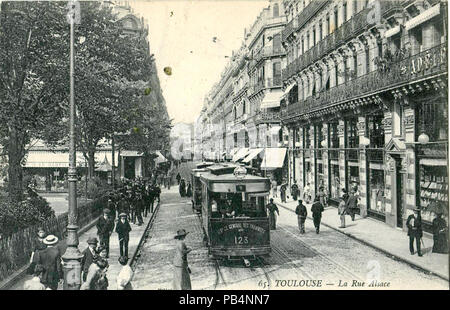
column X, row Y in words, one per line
column 234, row 215
column 197, row 186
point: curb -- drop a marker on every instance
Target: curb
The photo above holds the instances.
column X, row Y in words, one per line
column 19, row 274
column 143, row 236
column 405, row 260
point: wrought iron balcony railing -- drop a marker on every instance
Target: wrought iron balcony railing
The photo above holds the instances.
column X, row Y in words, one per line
column 333, row 154
column 351, row 154
column 397, row 73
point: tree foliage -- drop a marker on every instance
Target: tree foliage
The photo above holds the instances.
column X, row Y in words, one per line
column 113, row 72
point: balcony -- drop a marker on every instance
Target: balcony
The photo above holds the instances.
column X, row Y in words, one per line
column 269, row 51
column 267, row 117
column 267, row 83
column 353, row 27
column 396, row 73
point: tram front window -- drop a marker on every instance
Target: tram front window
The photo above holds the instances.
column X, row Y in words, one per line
column 238, row 206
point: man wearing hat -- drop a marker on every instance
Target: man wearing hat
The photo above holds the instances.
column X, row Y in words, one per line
column 414, row 224
column 181, row 279
column 50, row 259
column 105, row 227
column 123, row 229
column 89, row 256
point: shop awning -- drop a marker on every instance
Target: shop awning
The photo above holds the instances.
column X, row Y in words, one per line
column 273, row 158
column 60, row 159
column 252, row 154
column 288, row 89
column 271, row 100
column 423, row 17
column 240, row 154
column 160, row 158
column 131, row 154
column 433, row 162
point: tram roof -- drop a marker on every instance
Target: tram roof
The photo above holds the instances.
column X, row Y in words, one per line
column 229, row 177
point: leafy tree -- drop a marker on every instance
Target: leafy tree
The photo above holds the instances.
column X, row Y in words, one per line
column 33, row 93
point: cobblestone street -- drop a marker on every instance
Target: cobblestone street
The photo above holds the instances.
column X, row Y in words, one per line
column 331, row 257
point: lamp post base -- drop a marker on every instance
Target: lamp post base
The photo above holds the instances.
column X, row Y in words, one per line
column 72, row 268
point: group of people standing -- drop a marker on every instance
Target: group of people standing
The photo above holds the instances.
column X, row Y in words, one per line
column 185, row 190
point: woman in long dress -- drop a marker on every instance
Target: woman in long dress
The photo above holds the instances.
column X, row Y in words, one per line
column 181, row 277
column 182, row 188
column 440, row 235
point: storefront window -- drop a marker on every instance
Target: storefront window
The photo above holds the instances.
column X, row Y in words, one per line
column 376, row 131
column 307, row 138
column 433, row 120
column 376, row 191
column 433, row 190
column 352, row 133
column 353, row 177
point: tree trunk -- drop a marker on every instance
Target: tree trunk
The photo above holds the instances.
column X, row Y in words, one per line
column 16, row 152
column 91, row 163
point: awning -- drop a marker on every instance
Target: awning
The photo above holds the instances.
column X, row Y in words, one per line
column 131, row 154
column 273, row 158
column 271, row 100
column 104, row 166
column 288, row 89
column 392, row 31
column 252, row 154
column 160, row 158
column 433, row 162
column 240, row 153
column 423, row 17
column 60, row 159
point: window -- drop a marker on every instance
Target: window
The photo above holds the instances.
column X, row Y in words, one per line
column 276, row 73
column 376, row 131
column 327, row 25
column 307, row 41
column 336, row 19
column 276, row 42
column 344, row 9
column 320, row 30
column 306, row 137
column 276, row 12
column 352, row 133
column 303, row 45
column 313, row 37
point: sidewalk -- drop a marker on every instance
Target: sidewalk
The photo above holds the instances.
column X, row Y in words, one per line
column 380, row 236
column 136, row 234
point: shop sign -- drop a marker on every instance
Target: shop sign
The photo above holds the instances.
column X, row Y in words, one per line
column 425, row 61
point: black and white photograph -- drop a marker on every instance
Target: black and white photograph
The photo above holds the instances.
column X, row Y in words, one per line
column 230, row 145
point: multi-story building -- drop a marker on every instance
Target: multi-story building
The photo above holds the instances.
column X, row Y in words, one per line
column 366, row 103
column 243, row 109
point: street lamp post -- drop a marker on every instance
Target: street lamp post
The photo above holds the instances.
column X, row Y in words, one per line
column 72, row 256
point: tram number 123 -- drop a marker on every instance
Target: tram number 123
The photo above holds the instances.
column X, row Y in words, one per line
column 240, row 240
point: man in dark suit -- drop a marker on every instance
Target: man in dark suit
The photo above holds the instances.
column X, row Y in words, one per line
column 317, row 209
column 50, row 259
column 414, row 224
column 352, row 205
column 105, row 227
column 89, row 256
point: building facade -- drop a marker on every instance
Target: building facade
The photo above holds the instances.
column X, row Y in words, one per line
column 366, row 102
column 241, row 114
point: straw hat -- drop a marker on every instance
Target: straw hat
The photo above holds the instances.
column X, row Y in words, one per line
column 180, row 233
column 50, row 240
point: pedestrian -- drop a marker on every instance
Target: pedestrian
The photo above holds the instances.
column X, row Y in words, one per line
column 414, row 224
column 283, row 193
column 96, row 278
column 50, row 259
column 182, row 188
column 322, row 196
column 112, row 207
column 37, row 247
column 125, row 275
column 123, row 229
column 189, row 190
column 178, row 177
column 35, row 284
column 123, row 206
column 317, row 209
column 272, row 208
column 352, row 205
column 139, row 207
column 157, row 194
column 440, row 235
column 302, row 213
column 342, row 210
column 274, row 188
column 89, row 256
column 105, row 227
column 181, row 277
column 307, row 193
column 294, row 191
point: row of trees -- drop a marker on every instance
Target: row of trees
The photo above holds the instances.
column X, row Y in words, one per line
column 116, row 85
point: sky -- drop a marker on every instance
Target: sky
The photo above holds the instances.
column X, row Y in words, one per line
column 181, row 36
